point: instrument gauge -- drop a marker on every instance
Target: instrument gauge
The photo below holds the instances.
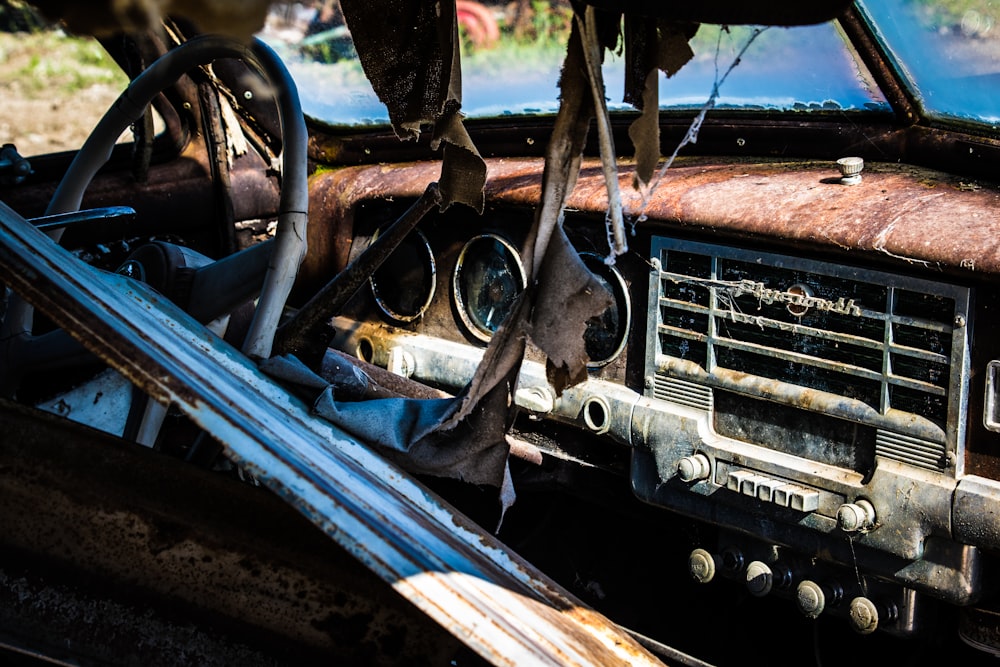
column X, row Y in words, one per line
column 488, row 278
column 607, row 334
column 403, row 286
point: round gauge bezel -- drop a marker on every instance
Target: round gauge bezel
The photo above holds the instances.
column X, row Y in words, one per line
column 429, row 264
column 471, row 326
column 619, row 289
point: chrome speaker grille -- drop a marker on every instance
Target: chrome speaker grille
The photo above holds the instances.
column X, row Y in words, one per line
column 879, row 349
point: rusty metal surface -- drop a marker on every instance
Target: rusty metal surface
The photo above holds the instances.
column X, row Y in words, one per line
column 898, row 213
column 177, row 198
column 497, row 603
column 121, row 539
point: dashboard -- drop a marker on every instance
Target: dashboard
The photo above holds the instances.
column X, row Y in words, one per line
column 788, row 359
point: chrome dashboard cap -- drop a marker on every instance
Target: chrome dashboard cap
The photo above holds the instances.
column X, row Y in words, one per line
column 850, row 170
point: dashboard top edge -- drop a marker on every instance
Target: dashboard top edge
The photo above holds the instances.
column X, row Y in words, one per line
column 907, row 214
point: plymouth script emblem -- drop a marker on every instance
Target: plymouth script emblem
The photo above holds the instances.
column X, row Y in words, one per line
column 798, row 299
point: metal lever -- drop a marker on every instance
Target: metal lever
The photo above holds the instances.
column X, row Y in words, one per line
column 303, row 333
column 13, row 168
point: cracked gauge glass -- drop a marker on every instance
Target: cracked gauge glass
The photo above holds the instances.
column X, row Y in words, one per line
column 606, row 335
column 488, row 278
column 403, row 286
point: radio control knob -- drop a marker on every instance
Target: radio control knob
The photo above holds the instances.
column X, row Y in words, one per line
column 810, row 598
column 856, row 516
column 701, row 565
column 863, row 615
column 693, row 468
column 759, row 578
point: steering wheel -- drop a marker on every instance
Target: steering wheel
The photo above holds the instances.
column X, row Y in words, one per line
column 289, row 242
column 278, row 261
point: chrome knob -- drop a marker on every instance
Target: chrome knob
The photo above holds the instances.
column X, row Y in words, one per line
column 759, row 578
column 694, row 468
column 863, row 615
column 701, row 565
column 856, row 516
column 850, row 170
column 810, row 599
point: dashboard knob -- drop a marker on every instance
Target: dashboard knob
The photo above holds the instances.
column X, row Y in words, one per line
column 759, row 578
column 863, row 615
column 536, row 400
column 810, row 598
column 694, row 468
column 701, row 565
column 856, row 516
column 850, row 170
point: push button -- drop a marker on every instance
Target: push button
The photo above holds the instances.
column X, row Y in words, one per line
column 777, row 491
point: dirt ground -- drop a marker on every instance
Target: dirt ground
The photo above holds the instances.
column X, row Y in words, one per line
column 53, row 90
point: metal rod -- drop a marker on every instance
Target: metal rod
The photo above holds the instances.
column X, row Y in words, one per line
column 303, row 334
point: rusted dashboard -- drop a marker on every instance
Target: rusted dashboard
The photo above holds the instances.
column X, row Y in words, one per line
column 804, row 364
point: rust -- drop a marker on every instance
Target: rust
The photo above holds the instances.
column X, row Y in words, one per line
column 301, row 334
column 193, row 544
column 899, row 213
column 177, row 198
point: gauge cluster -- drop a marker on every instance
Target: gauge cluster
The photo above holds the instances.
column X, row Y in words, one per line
column 457, row 276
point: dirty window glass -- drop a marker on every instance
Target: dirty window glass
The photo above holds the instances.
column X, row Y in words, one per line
column 949, row 50
column 512, row 54
column 54, row 87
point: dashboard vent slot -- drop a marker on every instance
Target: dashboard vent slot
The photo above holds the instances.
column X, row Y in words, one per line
column 916, row 452
column 875, row 348
column 689, row 394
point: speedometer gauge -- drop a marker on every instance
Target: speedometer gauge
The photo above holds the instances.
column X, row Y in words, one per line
column 488, row 278
column 606, row 334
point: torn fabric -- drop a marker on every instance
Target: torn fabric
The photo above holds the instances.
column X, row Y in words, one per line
column 562, row 293
column 733, row 12
column 590, row 25
column 408, row 431
column 409, row 50
column 568, row 296
column 651, row 46
column 464, row 179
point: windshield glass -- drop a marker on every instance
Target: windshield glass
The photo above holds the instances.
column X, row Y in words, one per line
column 949, row 50
column 511, row 63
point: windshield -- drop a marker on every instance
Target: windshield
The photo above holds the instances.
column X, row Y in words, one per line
column 949, row 50
column 511, row 63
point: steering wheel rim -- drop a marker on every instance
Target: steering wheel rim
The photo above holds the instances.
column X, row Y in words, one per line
column 290, row 238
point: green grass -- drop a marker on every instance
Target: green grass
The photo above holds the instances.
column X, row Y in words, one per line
column 52, row 62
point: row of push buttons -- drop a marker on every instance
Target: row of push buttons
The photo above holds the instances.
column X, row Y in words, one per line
column 777, row 491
